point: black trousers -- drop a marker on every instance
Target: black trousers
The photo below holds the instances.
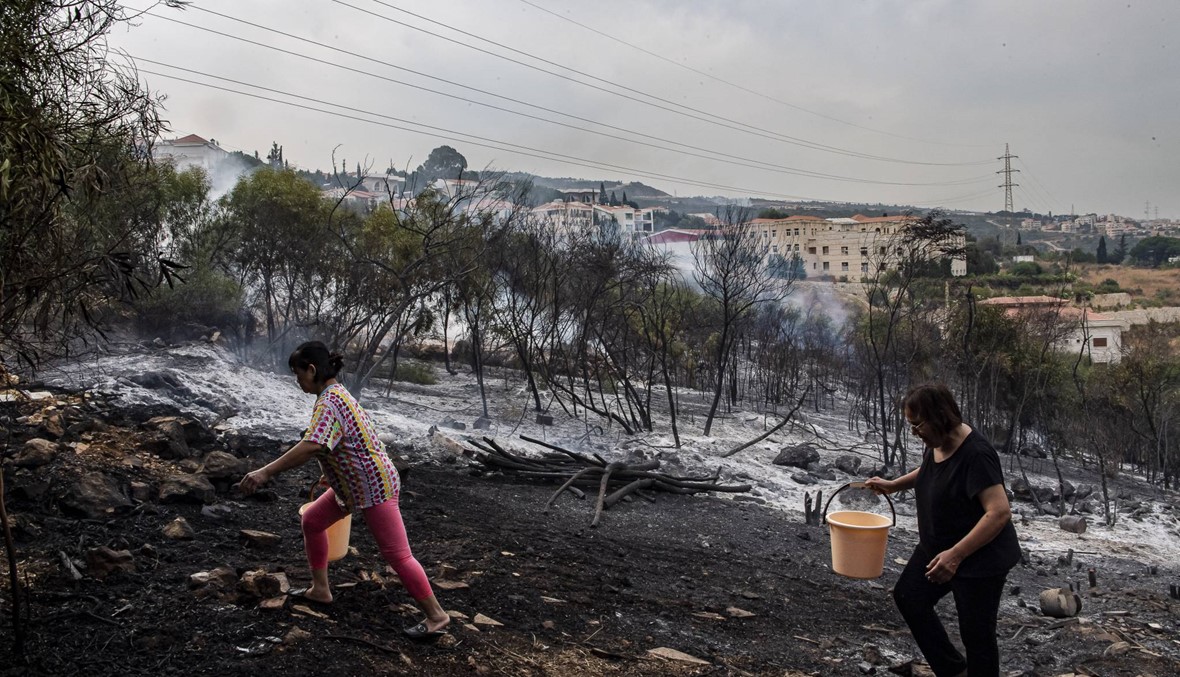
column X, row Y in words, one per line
column 978, row 603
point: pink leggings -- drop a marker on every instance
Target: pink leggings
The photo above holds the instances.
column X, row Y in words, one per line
column 385, row 523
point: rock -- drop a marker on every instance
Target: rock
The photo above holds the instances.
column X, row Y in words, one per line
column 260, row 539
column 296, row 635
column 735, row 612
column 1083, row 491
column 1068, row 490
column 1060, row 603
column 102, row 561
column 218, row 511
column 453, row 424
column 94, row 495
column 219, row 465
column 35, row 453
column 804, row 478
column 190, row 466
column 187, row 489
column 481, row 619
column 544, row 419
column 28, row 486
column 273, row 603
column 848, row 464
column 1024, row 491
column 797, row 456
column 259, row 584
column 168, row 444
column 199, row 579
column 142, row 492
column 179, row 530
column 482, row 423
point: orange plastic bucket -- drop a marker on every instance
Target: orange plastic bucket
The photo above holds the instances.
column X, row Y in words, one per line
column 338, row 534
column 859, row 539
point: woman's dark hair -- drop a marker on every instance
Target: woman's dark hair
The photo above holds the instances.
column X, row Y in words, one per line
column 315, row 354
column 934, row 404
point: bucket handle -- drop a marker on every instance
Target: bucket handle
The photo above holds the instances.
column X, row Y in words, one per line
column 857, row 485
column 321, row 482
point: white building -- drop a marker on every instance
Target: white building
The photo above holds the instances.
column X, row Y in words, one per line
column 631, row 220
column 189, row 151
column 1098, row 336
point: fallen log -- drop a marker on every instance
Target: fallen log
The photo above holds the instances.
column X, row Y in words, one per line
column 615, row 481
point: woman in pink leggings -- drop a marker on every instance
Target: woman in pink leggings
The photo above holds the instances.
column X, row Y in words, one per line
column 361, row 475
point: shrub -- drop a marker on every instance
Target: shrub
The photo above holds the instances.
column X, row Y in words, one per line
column 420, row 373
column 206, row 298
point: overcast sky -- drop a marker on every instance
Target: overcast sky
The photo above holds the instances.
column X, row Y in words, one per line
column 1086, row 92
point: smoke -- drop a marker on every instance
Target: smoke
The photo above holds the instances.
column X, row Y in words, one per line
column 822, row 298
column 225, row 174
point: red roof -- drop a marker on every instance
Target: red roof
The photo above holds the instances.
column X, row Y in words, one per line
column 861, row 218
column 190, row 139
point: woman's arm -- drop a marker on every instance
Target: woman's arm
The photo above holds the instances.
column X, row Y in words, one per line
column 996, row 515
column 884, row 486
column 296, row 456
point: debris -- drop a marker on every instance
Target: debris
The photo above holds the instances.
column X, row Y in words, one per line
column 35, row 453
column 450, row 585
column 1073, row 523
column 1060, row 603
column 102, row 561
column 735, row 612
column 674, row 655
column 709, row 615
column 307, row 611
column 187, row 489
column 552, row 600
column 481, row 619
column 260, row 539
column 296, row 635
column 273, row 603
column 68, row 565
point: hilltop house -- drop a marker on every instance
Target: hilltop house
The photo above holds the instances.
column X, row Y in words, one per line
column 189, row 151
column 1100, row 336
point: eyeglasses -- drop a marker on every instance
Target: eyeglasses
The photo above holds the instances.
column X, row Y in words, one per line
column 916, row 428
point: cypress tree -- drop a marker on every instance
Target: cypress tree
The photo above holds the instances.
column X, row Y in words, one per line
column 1101, row 257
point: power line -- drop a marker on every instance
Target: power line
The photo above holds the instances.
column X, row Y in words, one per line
column 1053, row 202
column 743, row 88
column 1007, row 172
column 451, row 135
column 680, row 109
column 733, row 159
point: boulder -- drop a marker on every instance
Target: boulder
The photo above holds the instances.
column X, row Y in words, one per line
column 35, row 453
column 166, row 441
column 260, row 539
column 797, row 456
column 187, row 489
column 259, row 584
column 1083, row 491
column 94, row 495
column 194, row 431
column 482, row 423
column 142, row 492
column 804, row 478
column 179, row 530
column 848, row 464
column 222, row 466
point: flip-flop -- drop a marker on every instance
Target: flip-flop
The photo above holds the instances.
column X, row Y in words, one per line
column 420, row 632
column 301, row 595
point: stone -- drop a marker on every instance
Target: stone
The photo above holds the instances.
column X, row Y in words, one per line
column 52, row 425
column 199, row 579
column 260, row 539
column 804, row 478
column 35, row 453
column 544, row 419
column 296, row 635
column 674, row 655
column 453, row 424
column 797, row 456
column 219, row 465
column 94, row 495
column 848, row 464
column 481, row 619
column 259, row 584
column 482, row 423
column 217, row 511
column 142, row 492
column 102, row 561
column 28, row 486
column 187, row 489
column 273, row 603
column 179, row 530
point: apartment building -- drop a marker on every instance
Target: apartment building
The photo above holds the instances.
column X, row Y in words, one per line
column 843, row 247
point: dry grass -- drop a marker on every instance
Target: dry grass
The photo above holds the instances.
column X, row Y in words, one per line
column 1143, row 283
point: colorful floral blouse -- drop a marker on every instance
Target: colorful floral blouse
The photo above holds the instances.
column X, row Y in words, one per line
column 355, row 463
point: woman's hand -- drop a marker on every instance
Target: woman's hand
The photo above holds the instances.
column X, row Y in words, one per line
column 252, row 481
column 880, row 485
column 943, row 567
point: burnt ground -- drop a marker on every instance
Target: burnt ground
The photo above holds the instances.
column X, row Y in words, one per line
column 572, row 600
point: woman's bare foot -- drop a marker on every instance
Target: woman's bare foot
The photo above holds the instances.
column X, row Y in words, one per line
column 436, row 624
column 322, row 595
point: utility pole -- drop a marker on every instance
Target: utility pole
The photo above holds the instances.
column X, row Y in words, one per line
column 1007, row 172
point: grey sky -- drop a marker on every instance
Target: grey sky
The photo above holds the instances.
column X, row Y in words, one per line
column 1085, row 91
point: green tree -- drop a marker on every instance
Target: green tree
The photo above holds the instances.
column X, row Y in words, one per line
column 1155, row 251
column 443, row 162
column 73, row 239
column 1101, row 255
column 1120, row 252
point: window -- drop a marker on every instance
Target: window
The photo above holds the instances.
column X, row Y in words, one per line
column 825, row 250
column 864, row 268
column 774, row 248
column 825, row 266
column 766, row 234
column 864, row 251
column 1099, row 341
column 774, row 234
column 796, row 246
column 796, row 232
column 882, row 251
column 811, row 250
column 844, row 251
column 844, row 267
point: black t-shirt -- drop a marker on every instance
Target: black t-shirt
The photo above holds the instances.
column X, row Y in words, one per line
column 947, row 496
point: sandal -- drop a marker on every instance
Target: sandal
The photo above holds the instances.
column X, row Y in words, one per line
column 301, row 595
column 420, row 632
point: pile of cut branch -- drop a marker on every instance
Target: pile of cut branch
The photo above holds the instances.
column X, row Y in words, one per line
column 621, row 480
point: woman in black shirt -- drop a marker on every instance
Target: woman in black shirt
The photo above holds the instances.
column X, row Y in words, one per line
column 966, row 541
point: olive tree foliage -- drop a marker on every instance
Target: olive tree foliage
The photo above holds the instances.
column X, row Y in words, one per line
column 896, row 334
column 75, row 234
